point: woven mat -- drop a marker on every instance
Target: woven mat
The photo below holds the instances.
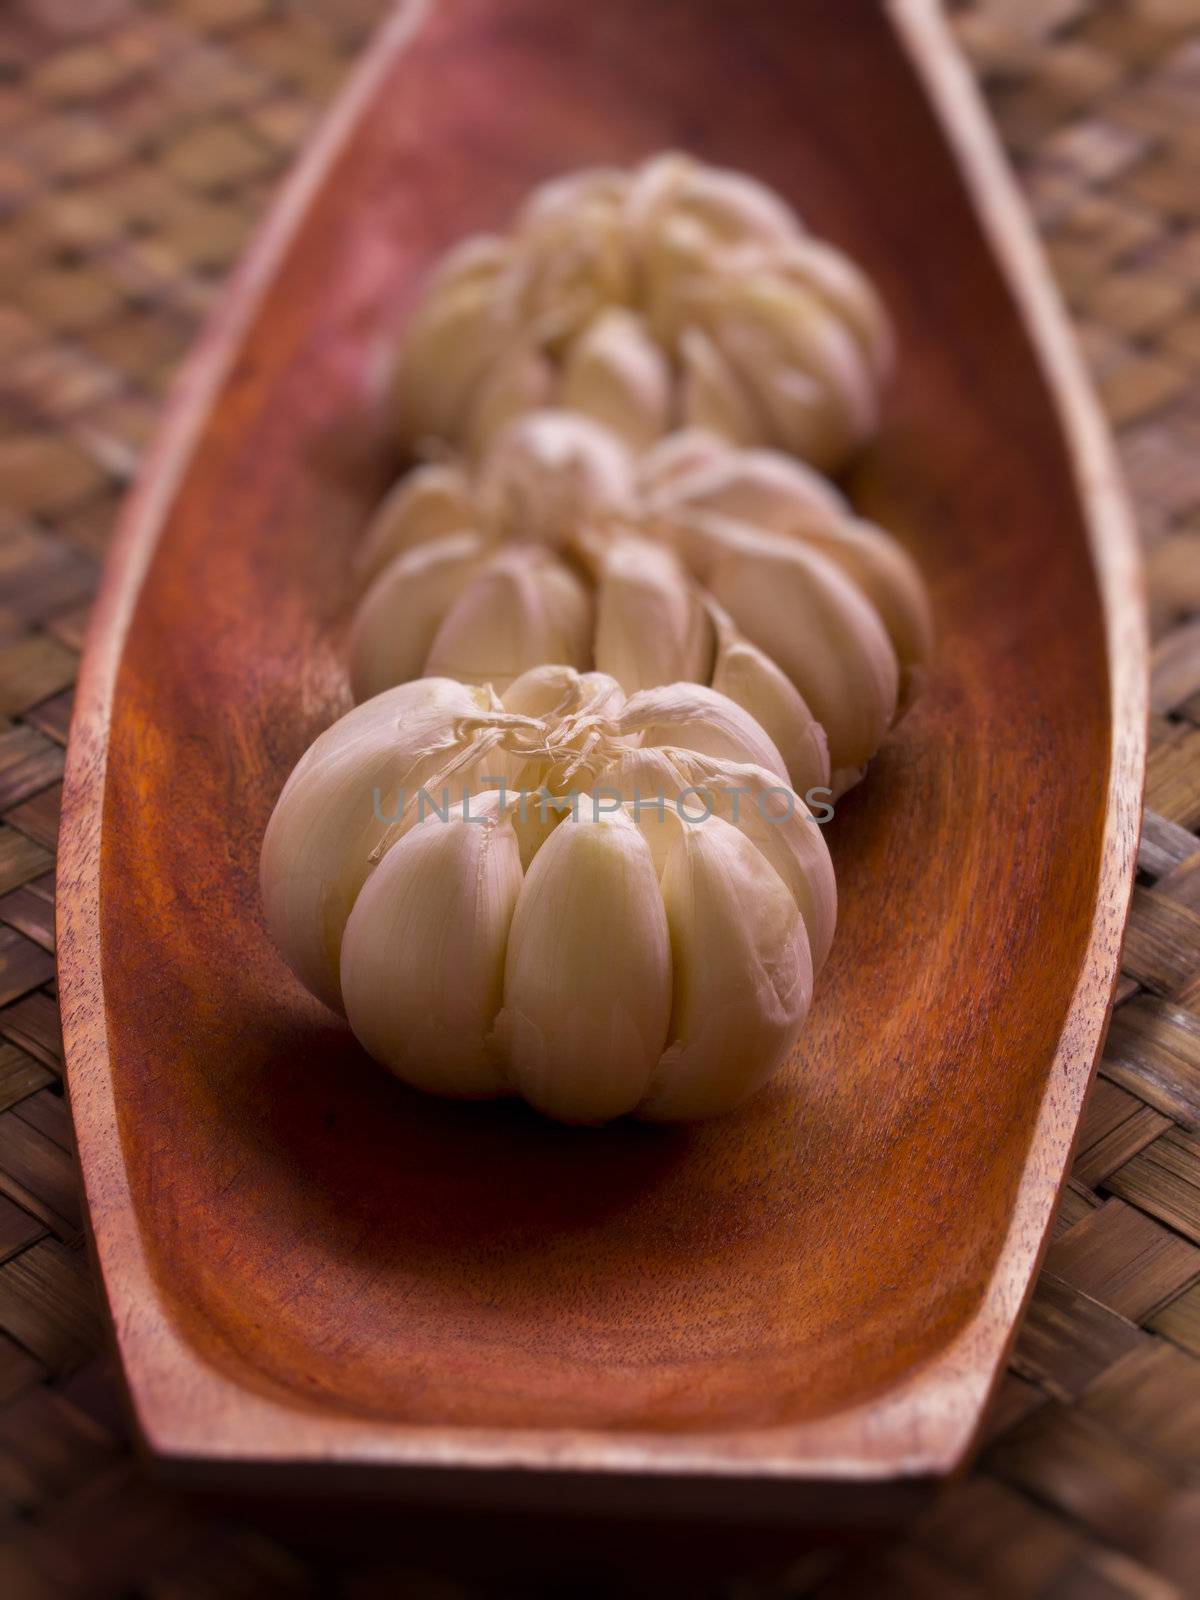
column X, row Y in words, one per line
column 141, row 142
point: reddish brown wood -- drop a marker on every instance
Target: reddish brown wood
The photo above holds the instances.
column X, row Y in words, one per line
column 791, row 1309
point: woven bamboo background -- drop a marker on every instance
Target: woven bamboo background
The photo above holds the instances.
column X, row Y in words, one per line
column 141, row 141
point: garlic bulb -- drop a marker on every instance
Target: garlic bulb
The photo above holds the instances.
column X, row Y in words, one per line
column 675, row 294
column 614, row 954
column 739, row 568
column 542, row 568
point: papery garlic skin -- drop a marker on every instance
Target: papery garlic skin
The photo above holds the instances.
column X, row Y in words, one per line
column 673, row 294
column 701, row 720
column 555, row 690
column 422, row 960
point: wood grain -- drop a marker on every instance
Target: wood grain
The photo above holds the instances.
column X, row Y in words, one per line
column 308, row 1265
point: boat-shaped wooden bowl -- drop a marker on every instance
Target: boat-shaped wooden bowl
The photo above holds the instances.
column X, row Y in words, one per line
column 800, row 1307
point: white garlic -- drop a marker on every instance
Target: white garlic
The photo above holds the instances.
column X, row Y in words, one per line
column 522, row 380
column 427, row 503
column 743, row 973
column 810, row 619
column 594, row 966
column 728, row 207
column 750, row 797
column 676, row 292
column 616, row 374
column 712, row 398
column 739, row 568
column 444, row 895
column 550, row 475
column 523, row 607
column 587, row 984
column 701, row 720
column 678, row 456
column 698, row 471
column 334, row 809
column 458, row 334
column 803, row 371
column 749, row 677
column 651, row 624
column 399, row 617
column 456, row 608
column 768, row 491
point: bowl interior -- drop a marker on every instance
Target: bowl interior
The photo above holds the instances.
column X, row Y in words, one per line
column 324, row 1233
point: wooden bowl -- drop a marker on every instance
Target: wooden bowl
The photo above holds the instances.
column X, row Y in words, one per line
column 798, row 1310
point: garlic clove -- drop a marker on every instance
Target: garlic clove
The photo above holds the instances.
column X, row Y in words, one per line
column 457, row 334
column 559, row 200
column 479, row 258
column 675, row 271
column 651, row 625
column 574, row 255
column 730, row 207
column 427, row 503
column 617, row 375
column 522, row 380
column 556, row 690
column 675, row 458
column 659, row 781
column 587, row 983
column 524, row 607
column 818, row 627
column 847, row 291
column 702, row 720
column 750, row 678
column 784, row 829
column 422, row 961
column 889, row 578
column 741, row 974
column 804, row 370
column 550, row 474
column 398, row 618
column 335, row 809
column 712, row 398
column 764, row 488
